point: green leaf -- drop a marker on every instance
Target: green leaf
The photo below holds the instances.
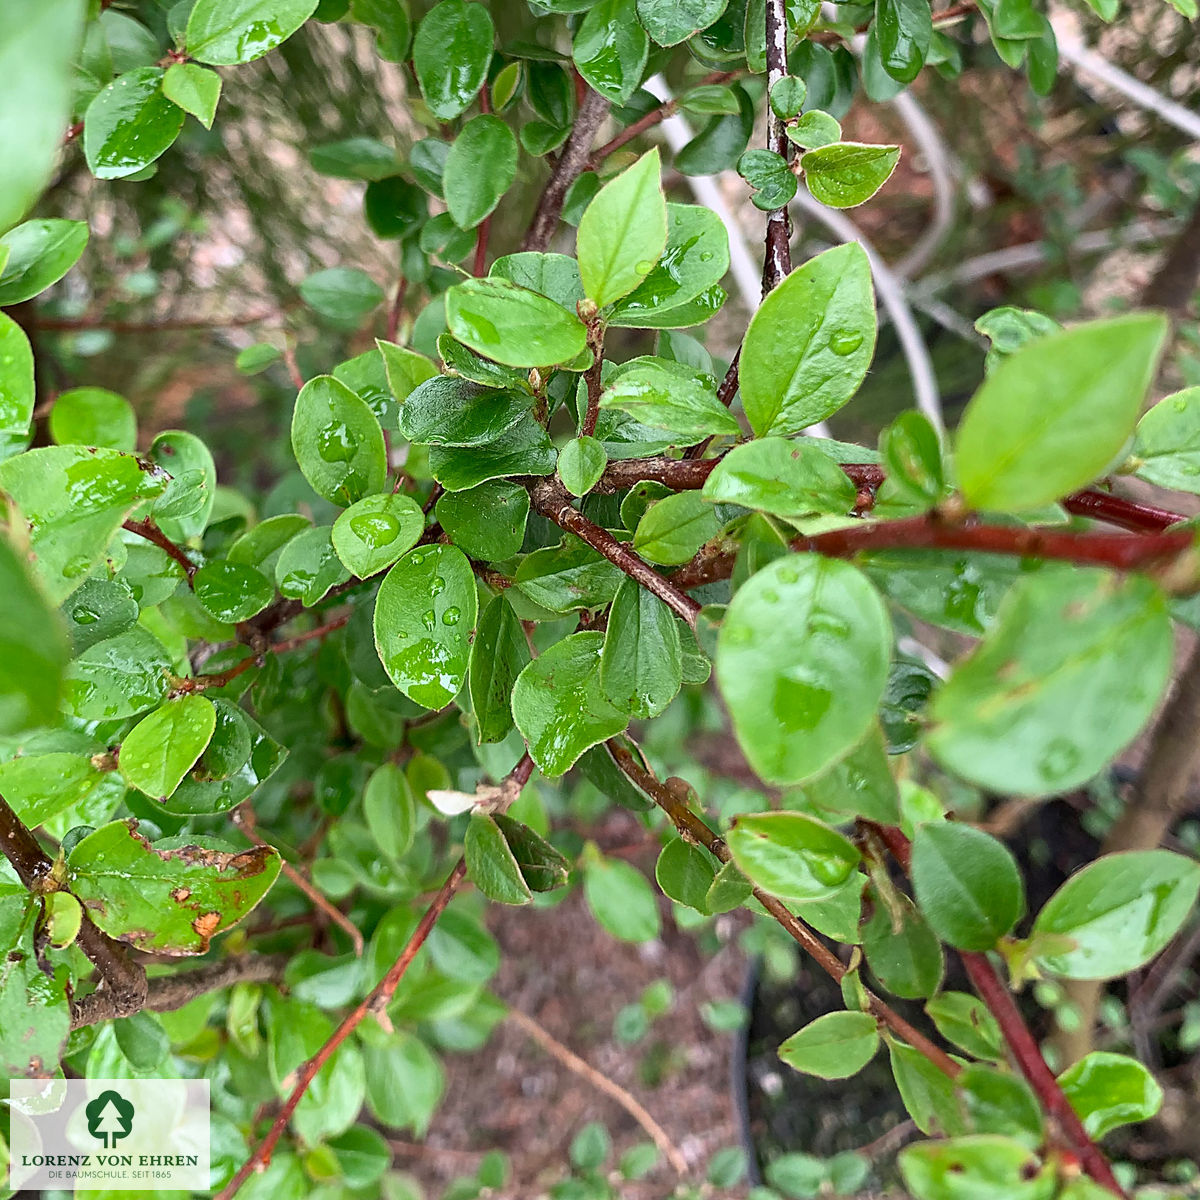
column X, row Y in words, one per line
column 451, row 55
column 92, row 416
column 40, row 253
column 641, row 666
column 392, row 24
column 33, row 650
column 555, row 276
column 232, row 592
column 1008, row 329
column 674, row 528
column 498, row 655
column 834, row 1046
column 787, row 96
column 1119, row 911
column 542, row 867
column 447, row 411
column 694, row 260
column 567, row 577
column 525, row 449
column 967, row 884
column 904, row 29
column 769, row 174
column 337, row 442
column 619, row 896
column 710, row 99
column 118, row 677
column 424, row 621
column 813, row 129
column 74, row 499
column 225, row 32
column 405, row 1082
column 581, row 462
column 341, row 293
column 982, row 1167
column 39, row 42
column 372, row 533
column 590, row 1147
column 308, row 566
column 196, row 90
column 184, row 508
column 559, row 705
column 670, row 22
column 802, row 661
column 40, row 786
column 17, row 393
column 1110, row 1090
column 35, row 1017
column 512, row 324
column 129, row 124
column 792, row 855
column 685, row 873
column 681, row 401
column 623, row 230
column 163, row 747
column 908, row 960
column 480, row 168
column 928, row 1094
column 1054, row 414
column 965, row 1020
column 354, row 158
column 1071, row 669
column 1001, row 1102
column 389, row 810
column 846, row 174
column 859, row 785
column 611, row 49
column 1166, row 447
column 487, row 522
column 790, row 479
column 728, row 890
column 171, row 897
column 491, row 866
column 809, row 345
column 406, row 369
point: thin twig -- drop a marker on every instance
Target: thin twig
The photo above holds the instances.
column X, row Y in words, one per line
column 571, row 164
column 569, row 1059
column 397, row 308
column 148, row 528
column 551, row 499
column 243, row 818
column 777, row 264
column 695, row 829
column 172, row 325
column 592, row 378
column 375, row 1002
column 123, row 988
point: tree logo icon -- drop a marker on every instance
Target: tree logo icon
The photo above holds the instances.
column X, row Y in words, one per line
column 109, row 1118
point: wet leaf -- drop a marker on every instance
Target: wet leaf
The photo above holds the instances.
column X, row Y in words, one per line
column 308, row 566
column 129, row 124
column 802, row 661
column 808, row 347
column 487, row 522
column 525, row 449
column 623, row 230
column 17, row 394
column 33, row 649
column 75, row 499
column 170, row 897
column 512, row 324
column 787, row 478
column 1166, row 448
column 559, row 704
column 118, row 677
column 846, row 174
column 163, row 747
column 424, row 621
column 498, row 655
column 1120, row 911
column 35, row 1017
column 641, row 667
column 337, row 442
column 1053, row 415
column 1071, row 669
column 372, row 533
column 670, row 22
column 611, row 49
column 662, row 395
column 904, row 29
column 447, row 411
column 40, row 253
column 232, row 592
column 223, row 34
column 451, row 55
column 792, row 855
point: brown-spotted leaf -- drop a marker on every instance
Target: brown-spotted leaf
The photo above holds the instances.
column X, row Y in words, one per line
column 171, row 897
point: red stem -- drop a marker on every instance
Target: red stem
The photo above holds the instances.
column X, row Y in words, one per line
column 148, row 528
